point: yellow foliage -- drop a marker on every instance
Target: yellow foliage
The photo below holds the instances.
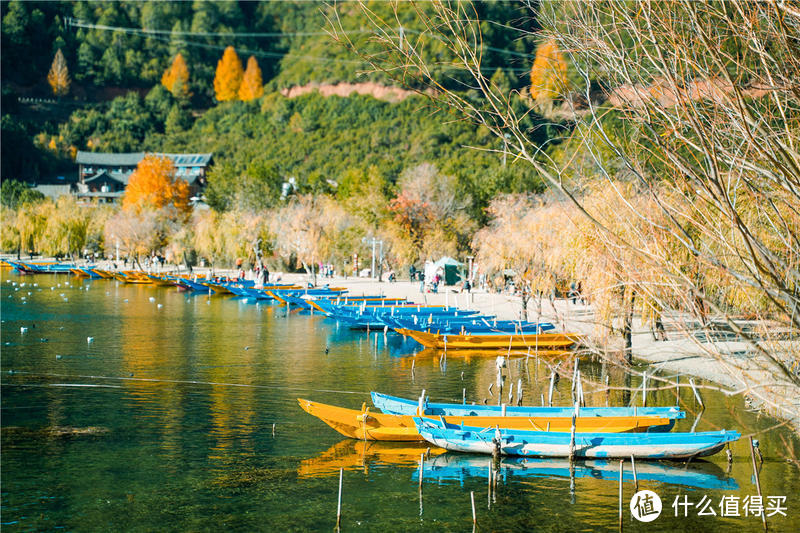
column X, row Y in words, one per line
column 549, row 72
column 176, row 78
column 252, row 86
column 229, row 76
column 58, row 77
column 153, row 185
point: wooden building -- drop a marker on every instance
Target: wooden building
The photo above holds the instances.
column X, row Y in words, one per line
column 102, row 177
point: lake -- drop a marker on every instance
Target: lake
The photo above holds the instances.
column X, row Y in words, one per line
column 181, row 414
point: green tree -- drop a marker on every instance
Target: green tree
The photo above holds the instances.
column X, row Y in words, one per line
column 14, row 193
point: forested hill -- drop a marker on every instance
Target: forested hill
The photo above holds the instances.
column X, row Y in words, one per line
column 131, row 43
column 117, row 52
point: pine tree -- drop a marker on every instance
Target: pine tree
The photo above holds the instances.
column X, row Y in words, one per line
column 252, row 86
column 549, row 72
column 176, row 78
column 229, row 76
column 58, row 77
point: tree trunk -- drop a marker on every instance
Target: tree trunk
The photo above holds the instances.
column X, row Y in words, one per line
column 627, row 329
column 525, row 295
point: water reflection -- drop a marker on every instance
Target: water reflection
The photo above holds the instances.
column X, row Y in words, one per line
column 352, row 454
column 456, row 468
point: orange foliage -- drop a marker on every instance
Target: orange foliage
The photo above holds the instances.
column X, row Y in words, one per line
column 176, row 78
column 549, row 71
column 252, row 86
column 410, row 211
column 153, row 185
column 229, row 76
column 58, row 77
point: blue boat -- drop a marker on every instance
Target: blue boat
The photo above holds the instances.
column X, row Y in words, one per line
column 558, row 444
column 477, row 325
column 458, row 468
column 402, row 406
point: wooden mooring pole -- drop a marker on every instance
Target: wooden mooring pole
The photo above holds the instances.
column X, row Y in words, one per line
column 339, row 505
column 472, row 499
column 758, row 483
column 620, row 494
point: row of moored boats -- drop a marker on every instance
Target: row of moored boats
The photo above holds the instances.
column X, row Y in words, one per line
column 590, row 432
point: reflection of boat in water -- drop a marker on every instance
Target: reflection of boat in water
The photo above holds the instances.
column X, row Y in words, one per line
column 360, row 455
column 456, row 468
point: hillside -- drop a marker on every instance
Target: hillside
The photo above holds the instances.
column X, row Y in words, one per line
column 116, row 53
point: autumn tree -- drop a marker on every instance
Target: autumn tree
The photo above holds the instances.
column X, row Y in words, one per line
column 252, row 86
column 549, row 72
column 58, row 77
column 701, row 190
column 229, row 76
column 176, row 78
column 153, row 185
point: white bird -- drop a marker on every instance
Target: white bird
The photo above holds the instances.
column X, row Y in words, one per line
column 66, row 283
column 29, row 293
column 21, row 284
column 35, row 284
column 89, row 340
column 23, row 329
column 152, row 299
column 58, row 357
column 125, row 300
column 160, row 306
column 52, row 288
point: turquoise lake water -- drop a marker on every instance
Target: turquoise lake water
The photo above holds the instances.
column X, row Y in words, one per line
column 184, row 417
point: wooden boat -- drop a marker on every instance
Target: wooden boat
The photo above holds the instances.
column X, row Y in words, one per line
column 492, row 341
column 133, row 276
column 371, row 425
column 105, row 274
column 161, row 280
column 403, row 406
column 433, row 353
column 473, row 439
column 328, row 303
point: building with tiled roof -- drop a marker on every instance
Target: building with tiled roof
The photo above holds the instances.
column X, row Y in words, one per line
column 104, row 176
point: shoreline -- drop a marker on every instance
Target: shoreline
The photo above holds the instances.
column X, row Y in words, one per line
column 681, row 355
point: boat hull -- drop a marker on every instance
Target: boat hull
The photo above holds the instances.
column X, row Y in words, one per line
column 498, row 342
column 403, row 406
column 587, row 445
column 370, row 425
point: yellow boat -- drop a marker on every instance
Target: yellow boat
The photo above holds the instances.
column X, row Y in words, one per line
column 105, row 274
column 549, row 341
column 133, row 276
column 160, row 280
column 371, row 425
column 433, row 353
column 359, row 455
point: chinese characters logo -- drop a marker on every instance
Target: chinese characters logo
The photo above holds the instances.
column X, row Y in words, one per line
column 645, row 506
